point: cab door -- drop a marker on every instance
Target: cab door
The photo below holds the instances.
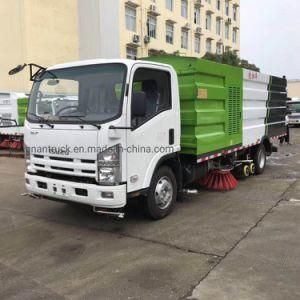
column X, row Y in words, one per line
column 156, row 134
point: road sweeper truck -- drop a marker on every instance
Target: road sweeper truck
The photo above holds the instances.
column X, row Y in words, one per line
column 100, row 132
column 12, row 115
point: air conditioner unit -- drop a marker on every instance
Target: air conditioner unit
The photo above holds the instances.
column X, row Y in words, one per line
column 147, row 39
column 152, row 8
column 198, row 30
column 136, row 39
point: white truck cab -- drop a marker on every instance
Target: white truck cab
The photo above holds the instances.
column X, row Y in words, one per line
column 98, row 131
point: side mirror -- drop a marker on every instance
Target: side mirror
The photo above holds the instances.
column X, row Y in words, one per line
column 138, row 104
column 17, row 69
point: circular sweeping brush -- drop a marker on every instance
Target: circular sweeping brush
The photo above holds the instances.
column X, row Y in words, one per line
column 219, row 180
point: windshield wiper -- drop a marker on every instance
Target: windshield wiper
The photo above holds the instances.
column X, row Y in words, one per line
column 43, row 120
column 82, row 120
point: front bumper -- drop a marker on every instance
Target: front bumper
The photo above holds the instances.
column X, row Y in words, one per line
column 90, row 194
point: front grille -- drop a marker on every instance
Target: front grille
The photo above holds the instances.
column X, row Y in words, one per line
column 65, row 165
column 66, row 177
column 88, row 171
column 62, row 169
column 39, row 166
column 61, row 158
column 87, row 161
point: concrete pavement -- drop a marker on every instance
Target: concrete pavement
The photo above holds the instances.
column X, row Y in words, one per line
column 242, row 244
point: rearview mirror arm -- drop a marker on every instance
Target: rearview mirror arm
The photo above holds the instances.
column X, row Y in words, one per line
column 33, row 75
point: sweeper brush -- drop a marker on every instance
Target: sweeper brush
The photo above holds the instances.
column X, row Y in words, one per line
column 219, row 180
column 13, row 144
column 5, row 144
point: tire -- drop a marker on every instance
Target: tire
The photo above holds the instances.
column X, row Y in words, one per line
column 246, row 171
column 252, row 168
column 260, row 159
column 162, row 194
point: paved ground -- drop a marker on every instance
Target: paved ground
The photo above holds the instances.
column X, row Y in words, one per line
column 238, row 245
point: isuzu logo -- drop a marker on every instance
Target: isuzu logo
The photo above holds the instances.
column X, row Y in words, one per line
column 59, row 150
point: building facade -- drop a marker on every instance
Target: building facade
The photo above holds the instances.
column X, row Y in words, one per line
column 138, row 28
column 186, row 27
column 294, row 89
column 51, row 32
column 39, row 31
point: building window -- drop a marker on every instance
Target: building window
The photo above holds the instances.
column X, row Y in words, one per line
column 227, row 49
column 218, row 4
column 208, row 45
column 184, row 8
column 169, row 33
column 218, row 26
column 219, row 48
column 131, row 53
column 151, row 24
column 234, row 36
column 227, row 7
column 130, row 14
column 197, row 15
column 208, row 21
column 197, row 44
column 235, row 13
column 227, row 31
column 169, row 4
column 184, row 39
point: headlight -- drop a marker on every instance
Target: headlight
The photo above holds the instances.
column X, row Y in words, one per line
column 109, row 166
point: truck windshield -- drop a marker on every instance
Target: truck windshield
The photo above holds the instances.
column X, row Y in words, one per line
column 92, row 93
column 294, row 107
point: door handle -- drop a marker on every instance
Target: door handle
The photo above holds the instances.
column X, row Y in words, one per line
column 171, row 136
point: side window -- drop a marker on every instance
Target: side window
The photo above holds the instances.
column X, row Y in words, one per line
column 156, row 85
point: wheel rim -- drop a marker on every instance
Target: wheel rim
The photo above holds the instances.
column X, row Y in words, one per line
column 163, row 192
column 261, row 159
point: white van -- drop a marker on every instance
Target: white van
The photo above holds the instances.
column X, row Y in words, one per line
column 294, row 108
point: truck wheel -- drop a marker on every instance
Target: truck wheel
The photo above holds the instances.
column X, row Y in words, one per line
column 260, row 159
column 252, row 168
column 162, row 194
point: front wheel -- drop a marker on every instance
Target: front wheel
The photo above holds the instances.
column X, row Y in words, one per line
column 162, row 193
column 260, row 159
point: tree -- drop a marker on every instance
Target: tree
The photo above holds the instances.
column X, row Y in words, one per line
column 155, row 52
column 246, row 65
column 228, row 58
column 231, row 58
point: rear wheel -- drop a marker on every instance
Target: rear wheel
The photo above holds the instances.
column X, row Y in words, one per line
column 162, row 193
column 260, row 159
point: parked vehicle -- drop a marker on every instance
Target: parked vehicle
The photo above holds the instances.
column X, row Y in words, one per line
column 293, row 117
column 12, row 115
column 147, row 128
